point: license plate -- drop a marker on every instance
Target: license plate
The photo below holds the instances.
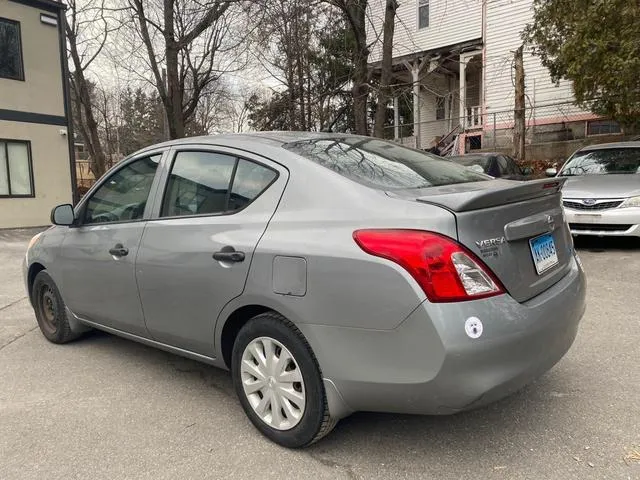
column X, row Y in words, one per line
column 543, row 250
column 588, row 217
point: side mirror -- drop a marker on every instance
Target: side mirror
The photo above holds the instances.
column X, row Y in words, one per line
column 551, row 172
column 63, row 215
column 527, row 171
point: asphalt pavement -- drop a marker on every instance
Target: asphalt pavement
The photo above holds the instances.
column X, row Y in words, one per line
column 107, row 408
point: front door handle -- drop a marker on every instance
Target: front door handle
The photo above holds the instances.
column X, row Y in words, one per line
column 229, row 254
column 119, row 250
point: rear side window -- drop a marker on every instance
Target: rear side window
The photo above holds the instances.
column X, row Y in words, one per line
column 249, row 182
column 383, row 165
column 208, row 183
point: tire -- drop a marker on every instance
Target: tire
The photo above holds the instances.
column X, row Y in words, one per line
column 50, row 310
column 306, row 425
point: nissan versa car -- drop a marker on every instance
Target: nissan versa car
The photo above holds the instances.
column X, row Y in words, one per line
column 602, row 193
column 330, row 273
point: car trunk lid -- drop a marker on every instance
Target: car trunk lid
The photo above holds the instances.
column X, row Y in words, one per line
column 498, row 220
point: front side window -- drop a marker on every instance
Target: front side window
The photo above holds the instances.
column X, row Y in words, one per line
column 16, row 177
column 423, row 13
column 208, row 183
column 604, row 161
column 10, row 51
column 123, row 197
column 383, row 165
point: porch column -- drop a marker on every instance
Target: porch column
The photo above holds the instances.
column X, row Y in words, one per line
column 396, row 118
column 463, row 93
column 415, row 78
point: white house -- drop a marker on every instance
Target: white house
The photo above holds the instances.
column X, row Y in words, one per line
column 453, row 59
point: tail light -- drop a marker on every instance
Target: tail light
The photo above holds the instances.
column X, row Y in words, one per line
column 446, row 271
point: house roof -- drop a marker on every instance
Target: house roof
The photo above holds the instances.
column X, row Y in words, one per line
column 49, row 5
column 456, row 47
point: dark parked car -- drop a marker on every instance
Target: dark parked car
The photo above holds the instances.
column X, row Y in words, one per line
column 497, row 165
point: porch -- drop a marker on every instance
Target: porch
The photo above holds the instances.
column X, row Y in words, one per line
column 438, row 98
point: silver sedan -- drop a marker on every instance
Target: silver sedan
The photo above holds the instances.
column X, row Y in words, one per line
column 602, row 193
column 330, row 273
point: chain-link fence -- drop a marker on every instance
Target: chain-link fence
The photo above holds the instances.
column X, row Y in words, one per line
column 552, row 131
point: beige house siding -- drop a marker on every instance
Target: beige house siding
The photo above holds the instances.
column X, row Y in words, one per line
column 41, row 90
column 51, row 175
column 450, row 22
column 33, row 110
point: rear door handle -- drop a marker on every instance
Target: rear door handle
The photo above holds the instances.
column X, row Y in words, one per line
column 119, row 250
column 229, row 254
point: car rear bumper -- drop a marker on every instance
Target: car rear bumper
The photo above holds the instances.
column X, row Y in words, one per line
column 429, row 365
column 617, row 222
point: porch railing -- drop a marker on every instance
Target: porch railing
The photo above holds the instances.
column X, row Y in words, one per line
column 474, row 117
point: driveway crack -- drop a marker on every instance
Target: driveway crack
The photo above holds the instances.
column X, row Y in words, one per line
column 18, row 337
column 13, row 303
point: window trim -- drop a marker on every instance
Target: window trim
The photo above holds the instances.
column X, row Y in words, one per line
column 6, row 141
column 420, row 4
column 20, row 77
column 165, row 186
column 601, row 120
column 81, row 209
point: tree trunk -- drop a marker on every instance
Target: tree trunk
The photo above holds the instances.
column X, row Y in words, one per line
column 98, row 163
column 386, row 68
column 173, row 102
column 355, row 11
column 519, row 111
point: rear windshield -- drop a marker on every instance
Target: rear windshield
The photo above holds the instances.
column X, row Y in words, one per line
column 601, row 162
column 383, row 165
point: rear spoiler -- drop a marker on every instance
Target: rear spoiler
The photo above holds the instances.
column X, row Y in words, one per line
column 463, row 197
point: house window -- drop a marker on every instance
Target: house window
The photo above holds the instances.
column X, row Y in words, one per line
column 10, row 50
column 16, row 171
column 440, row 108
column 603, row 127
column 423, row 13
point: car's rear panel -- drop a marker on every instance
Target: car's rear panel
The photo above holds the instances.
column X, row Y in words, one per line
column 497, row 220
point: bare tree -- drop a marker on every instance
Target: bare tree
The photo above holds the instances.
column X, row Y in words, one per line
column 386, row 71
column 87, row 30
column 355, row 12
column 187, row 43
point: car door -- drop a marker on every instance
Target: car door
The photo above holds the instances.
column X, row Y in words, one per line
column 98, row 254
column 196, row 251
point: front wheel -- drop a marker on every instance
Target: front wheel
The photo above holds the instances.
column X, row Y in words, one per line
column 50, row 310
column 278, row 382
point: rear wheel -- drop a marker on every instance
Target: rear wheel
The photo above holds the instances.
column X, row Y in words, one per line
column 50, row 310
column 278, row 382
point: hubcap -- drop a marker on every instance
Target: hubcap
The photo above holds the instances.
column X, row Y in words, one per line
column 272, row 382
column 49, row 309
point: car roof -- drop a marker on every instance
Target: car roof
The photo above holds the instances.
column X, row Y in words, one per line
column 605, row 146
column 275, row 138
